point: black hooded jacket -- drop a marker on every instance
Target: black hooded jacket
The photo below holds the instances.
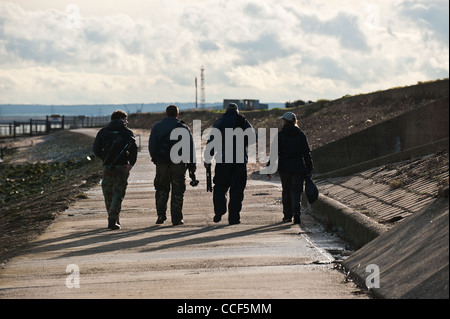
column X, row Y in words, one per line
column 111, row 140
column 294, row 155
column 232, row 119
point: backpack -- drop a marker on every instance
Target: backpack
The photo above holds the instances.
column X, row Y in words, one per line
column 116, row 143
column 311, row 190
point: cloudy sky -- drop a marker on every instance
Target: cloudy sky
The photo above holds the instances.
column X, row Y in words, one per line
column 136, row 51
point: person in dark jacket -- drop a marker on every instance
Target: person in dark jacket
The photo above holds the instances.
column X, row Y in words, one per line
column 294, row 165
column 116, row 147
column 171, row 173
column 230, row 172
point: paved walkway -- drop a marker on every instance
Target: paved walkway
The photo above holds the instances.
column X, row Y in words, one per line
column 259, row 258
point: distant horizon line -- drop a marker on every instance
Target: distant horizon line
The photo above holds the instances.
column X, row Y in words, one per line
column 10, row 111
column 118, row 104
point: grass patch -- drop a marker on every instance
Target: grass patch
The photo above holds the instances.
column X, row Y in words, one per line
column 82, row 196
column 395, row 183
column 20, row 181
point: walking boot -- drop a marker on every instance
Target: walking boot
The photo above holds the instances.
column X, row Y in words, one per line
column 161, row 219
column 217, row 218
column 287, row 219
column 112, row 224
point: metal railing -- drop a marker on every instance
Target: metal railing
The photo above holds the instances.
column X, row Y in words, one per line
column 49, row 124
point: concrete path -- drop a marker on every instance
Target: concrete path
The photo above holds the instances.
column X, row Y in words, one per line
column 78, row 257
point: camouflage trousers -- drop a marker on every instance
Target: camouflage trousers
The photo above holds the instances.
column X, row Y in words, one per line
column 170, row 176
column 114, row 185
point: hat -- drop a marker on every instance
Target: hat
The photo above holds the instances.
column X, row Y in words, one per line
column 289, row 116
column 233, row 106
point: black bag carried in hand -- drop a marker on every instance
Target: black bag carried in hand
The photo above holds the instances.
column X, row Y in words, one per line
column 311, row 190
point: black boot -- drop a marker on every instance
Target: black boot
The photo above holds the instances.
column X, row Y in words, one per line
column 113, row 224
column 217, row 218
column 161, row 219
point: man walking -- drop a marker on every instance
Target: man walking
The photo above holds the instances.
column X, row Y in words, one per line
column 170, row 174
column 230, row 174
column 294, row 165
column 115, row 145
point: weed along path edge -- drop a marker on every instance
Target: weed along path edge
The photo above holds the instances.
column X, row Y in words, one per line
column 78, row 257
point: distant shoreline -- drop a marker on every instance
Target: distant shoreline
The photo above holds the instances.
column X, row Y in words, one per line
column 23, row 112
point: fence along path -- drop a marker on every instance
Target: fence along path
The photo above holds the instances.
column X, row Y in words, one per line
column 50, row 123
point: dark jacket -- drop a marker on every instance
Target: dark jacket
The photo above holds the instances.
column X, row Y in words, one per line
column 232, row 119
column 160, row 144
column 294, row 155
column 111, row 140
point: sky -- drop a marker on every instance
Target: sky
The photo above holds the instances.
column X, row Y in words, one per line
column 148, row 51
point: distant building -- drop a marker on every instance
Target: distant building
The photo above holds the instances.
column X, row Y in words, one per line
column 246, row 104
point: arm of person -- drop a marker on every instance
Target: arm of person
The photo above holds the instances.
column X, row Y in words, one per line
column 306, row 153
column 98, row 146
column 152, row 142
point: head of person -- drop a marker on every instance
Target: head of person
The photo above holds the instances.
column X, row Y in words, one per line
column 119, row 115
column 172, row 111
column 289, row 118
column 232, row 107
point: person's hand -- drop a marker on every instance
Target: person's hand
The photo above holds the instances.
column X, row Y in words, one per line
column 192, row 167
column 128, row 168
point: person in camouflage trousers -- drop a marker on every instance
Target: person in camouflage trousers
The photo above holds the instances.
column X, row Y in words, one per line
column 115, row 145
column 114, row 185
column 170, row 177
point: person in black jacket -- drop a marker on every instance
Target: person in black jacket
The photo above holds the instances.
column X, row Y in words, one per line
column 294, row 165
column 116, row 147
column 230, row 173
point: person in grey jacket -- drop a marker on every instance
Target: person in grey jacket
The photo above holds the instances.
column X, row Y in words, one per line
column 294, row 165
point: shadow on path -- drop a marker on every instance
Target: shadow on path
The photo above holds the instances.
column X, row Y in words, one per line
column 109, row 241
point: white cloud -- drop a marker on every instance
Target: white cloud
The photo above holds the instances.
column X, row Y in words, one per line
column 279, row 50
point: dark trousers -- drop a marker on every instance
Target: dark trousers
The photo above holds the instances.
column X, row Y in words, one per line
column 170, row 178
column 292, row 185
column 232, row 178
